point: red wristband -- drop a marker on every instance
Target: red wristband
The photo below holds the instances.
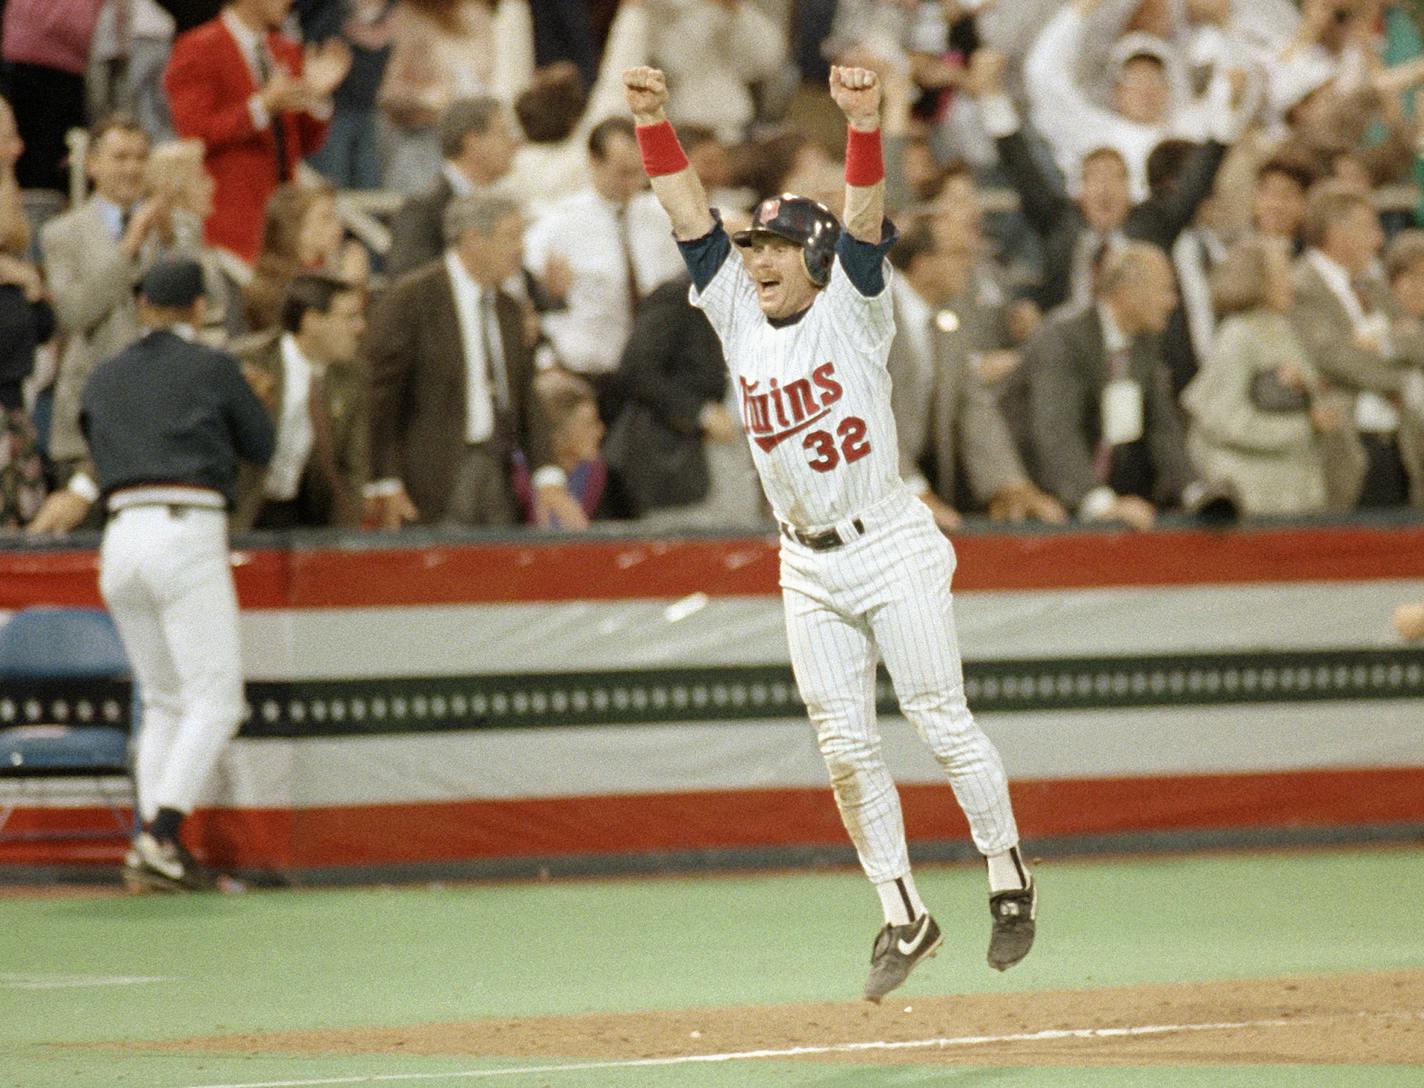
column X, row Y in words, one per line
column 864, row 165
column 662, row 154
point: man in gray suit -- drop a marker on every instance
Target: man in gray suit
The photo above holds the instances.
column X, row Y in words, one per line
column 478, row 139
column 94, row 257
column 1348, row 323
column 946, row 418
column 1107, row 439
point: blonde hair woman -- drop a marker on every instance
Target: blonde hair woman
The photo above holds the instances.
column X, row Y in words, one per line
column 1257, row 405
column 26, row 321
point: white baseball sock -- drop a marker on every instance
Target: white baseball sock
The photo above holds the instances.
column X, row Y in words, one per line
column 1007, row 872
column 900, row 900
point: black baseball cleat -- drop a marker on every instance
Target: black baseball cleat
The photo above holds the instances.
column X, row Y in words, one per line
column 896, row 951
column 1012, row 936
column 156, row 865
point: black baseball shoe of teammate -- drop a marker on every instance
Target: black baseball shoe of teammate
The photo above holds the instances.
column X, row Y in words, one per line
column 163, row 865
column 1013, row 913
column 896, row 951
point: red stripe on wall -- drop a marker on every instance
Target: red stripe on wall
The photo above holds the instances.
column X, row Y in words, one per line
column 601, row 570
column 292, row 840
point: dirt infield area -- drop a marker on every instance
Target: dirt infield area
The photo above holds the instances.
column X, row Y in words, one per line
column 1375, row 1018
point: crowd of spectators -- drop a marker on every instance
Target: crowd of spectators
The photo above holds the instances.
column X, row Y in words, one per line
column 1143, row 265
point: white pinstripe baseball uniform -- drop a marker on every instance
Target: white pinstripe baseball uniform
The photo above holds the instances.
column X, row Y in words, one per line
column 815, row 397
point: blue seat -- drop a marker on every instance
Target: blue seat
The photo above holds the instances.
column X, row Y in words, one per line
column 56, row 723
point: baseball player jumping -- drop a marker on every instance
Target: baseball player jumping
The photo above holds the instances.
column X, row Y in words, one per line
column 805, row 323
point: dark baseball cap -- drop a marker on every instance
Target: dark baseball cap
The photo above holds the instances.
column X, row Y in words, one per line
column 172, row 281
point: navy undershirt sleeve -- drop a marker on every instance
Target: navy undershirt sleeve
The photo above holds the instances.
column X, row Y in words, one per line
column 704, row 256
column 864, row 263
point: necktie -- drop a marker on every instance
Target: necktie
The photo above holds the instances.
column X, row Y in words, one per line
column 279, row 132
column 494, row 352
column 1103, row 455
column 628, row 270
column 324, row 449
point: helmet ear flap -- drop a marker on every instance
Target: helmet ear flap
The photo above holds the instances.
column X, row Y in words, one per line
column 818, row 268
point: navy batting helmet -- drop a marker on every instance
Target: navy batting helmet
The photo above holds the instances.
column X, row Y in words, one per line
column 808, row 223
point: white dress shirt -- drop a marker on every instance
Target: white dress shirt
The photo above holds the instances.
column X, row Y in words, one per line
column 295, row 436
column 469, row 307
column 588, row 232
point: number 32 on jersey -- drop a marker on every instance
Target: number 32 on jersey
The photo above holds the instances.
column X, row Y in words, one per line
column 779, row 411
column 847, row 444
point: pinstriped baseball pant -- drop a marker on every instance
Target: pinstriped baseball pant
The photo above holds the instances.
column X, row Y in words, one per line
column 889, row 591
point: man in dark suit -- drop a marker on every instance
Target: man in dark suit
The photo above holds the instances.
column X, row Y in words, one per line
column 1107, row 439
column 478, row 139
column 947, row 419
column 452, row 385
column 1077, row 233
column 675, row 379
column 318, row 393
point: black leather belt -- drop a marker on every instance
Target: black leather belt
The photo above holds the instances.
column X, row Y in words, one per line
column 822, row 541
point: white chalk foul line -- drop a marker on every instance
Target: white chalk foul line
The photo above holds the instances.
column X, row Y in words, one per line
column 16, row 980
column 787, row 1052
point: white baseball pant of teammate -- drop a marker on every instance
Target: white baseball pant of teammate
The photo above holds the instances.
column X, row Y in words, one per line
column 865, row 572
column 164, row 573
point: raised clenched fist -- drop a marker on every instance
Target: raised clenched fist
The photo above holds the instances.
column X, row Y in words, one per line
column 645, row 90
column 857, row 92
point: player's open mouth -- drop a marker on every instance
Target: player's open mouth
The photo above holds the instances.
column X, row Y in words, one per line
column 765, row 287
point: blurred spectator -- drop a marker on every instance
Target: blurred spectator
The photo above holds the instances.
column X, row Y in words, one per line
column 1343, row 316
column 453, row 386
column 177, row 166
column 45, row 53
column 576, row 436
column 26, row 321
column 302, row 232
column 764, row 164
column 1077, row 233
column 711, row 158
column 992, row 325
column 443, row 50
column 617, row 244
column 1278, row 199
column 946, row 418
column 151, row 32
column 571, row 30
column 1107, row 439
column 350, row 157
column 308, row 375
column 1404, row 265
column 713, row 52
column 1146, row 104
column 478, row 140
column 94, row 257
column 258, row 104
column 677, row 448
column 557, row 115
column 1257, row 406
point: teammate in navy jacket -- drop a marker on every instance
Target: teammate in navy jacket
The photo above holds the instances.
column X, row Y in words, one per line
column 806, row 322
column 166, row 421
